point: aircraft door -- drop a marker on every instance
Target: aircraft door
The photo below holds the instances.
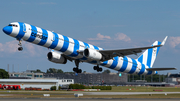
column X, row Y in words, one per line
column 53, row 38
column 24, row 28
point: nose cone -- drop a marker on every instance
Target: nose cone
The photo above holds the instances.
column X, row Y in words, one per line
column 7, row 30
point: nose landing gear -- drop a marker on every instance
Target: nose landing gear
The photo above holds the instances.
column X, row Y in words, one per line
column 20, row 48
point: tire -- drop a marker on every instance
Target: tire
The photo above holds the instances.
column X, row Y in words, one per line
column 20, row 48
column 95, row 67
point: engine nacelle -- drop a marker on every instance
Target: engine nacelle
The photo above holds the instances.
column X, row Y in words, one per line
column 56, row 58
column 92, row 54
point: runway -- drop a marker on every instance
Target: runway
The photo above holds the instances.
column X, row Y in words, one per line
column 83, row 99
column 127, row 93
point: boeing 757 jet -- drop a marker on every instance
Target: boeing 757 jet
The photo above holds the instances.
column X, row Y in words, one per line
column 65, row 48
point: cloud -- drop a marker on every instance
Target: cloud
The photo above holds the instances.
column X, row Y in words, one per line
column 29, row 49
column 174, row 41
column 100, row 37
column 122, row 37
column 117, row 37
column 115, row 41
column 9, row 47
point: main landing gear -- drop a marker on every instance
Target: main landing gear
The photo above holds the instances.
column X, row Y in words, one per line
column 99, row 69
column 20, row 48
column 76, row 69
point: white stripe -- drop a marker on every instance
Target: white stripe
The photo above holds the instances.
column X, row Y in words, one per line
column 91, row 46
column 139, row 66
column 145, row 57
column 120, row 63
column 154, row 54
column 81, row 48
column 15, row 30
column 109, row 63
column 37, row 39
column 70, row 49
column 49, row 39
column 60, row 42
column 28, row 32
column 129, row 66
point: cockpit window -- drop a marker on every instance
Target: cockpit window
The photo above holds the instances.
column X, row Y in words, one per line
column 13, row 25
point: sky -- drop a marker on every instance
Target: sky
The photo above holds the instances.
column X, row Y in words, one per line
column 110, row 24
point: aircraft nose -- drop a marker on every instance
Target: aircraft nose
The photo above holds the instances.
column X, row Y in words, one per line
column 7, row 30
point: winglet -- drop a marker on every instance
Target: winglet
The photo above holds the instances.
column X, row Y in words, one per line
column 163, row 42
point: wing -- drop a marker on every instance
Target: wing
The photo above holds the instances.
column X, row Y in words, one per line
column 160, row 69
column 124, row 52
column 109, row 54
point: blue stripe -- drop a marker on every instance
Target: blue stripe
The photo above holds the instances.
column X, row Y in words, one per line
column 104, row 63
column 55, row 42
column 86, row 45
column 44, row 37
column 125, row 63
column 33, row 31
column 115, row 62
column 76, row 47
column 140, row 59
column 134, row 66
column 95, row 47
column 65, row 45
column 149, row 72
column 158, row 48
column 142, row 69
column 149, row 57
column 21, row 33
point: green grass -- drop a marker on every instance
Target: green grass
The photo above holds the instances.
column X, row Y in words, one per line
column 70, row 94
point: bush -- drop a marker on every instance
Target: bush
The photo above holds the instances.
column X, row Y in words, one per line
column 59, row 87
column 102, row 87
column 53, row 88
column 76, row 86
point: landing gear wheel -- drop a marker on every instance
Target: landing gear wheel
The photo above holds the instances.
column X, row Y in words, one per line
column 20, row 48
column 100, row 69
column 76, row 69
column 79, row 71
column 95, row 68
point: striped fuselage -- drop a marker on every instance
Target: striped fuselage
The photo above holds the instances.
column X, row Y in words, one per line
column 69, row 47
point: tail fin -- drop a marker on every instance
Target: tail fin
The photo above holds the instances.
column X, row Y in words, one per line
column 149, row 56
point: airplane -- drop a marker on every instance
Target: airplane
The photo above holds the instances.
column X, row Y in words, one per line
column 65, row 48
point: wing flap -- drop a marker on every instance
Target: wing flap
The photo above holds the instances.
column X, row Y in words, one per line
column 160, row 69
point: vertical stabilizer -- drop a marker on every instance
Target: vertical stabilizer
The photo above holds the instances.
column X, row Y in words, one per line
column 149, row 56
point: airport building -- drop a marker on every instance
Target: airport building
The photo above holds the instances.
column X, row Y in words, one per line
column 173, row 78
column 37, row 83
column 91, row 78
column 82, row 78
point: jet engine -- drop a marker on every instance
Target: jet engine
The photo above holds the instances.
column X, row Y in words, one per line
column 92, row 54
column 56, row 58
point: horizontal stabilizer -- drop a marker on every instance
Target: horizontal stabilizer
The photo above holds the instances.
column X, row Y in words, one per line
column 160, row 69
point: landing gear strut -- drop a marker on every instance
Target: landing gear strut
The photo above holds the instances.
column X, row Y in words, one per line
column 76, row 69
column 20, row 48
column 99, row 69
